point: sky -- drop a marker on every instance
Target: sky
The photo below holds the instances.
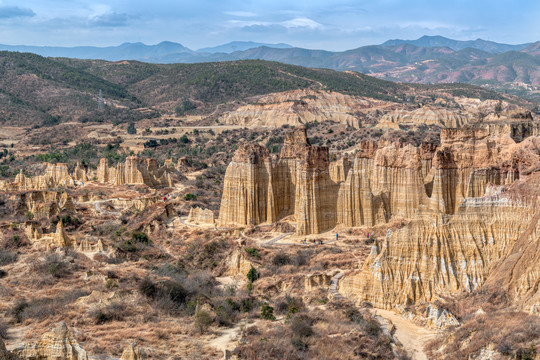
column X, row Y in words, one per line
column 315, row 24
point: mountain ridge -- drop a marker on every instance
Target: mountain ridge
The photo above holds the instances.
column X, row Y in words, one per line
column 438, row 41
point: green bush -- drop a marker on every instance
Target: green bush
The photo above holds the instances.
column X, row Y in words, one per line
column 131, row 129
column 140, row 237
column 185, row 106
column 110, row 283
column 252, row 274
column 190, row 196
column 254, row 252
column 202, row 321
column 267, row 312
column 128, row 246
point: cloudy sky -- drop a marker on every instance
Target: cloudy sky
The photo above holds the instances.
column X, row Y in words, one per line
column 316, row 24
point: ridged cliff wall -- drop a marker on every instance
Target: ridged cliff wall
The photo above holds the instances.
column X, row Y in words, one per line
column 134, row 171
column 437, row 254
column 385, row 180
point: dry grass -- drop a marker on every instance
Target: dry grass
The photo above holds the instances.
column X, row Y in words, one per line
column 513, row 332
column 317, row 335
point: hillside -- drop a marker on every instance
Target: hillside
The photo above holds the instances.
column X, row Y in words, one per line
column 39, row 91
column 428, row 60
column 44, row 91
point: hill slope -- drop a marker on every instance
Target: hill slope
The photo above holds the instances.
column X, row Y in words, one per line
column 42, row 91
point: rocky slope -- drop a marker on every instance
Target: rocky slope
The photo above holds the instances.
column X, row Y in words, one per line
column 303, row 106
column 298, row 107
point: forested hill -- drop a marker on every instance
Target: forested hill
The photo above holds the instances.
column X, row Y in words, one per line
column 43, row 91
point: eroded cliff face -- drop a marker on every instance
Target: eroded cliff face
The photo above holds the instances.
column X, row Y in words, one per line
column 58, row 344
column 200, row 216
column 299, row 107
column 479, row 225
column 437, row 254
column 387, row 180
column 258, row 189
column 427, row 115
column 134, row 171
column 247, row 193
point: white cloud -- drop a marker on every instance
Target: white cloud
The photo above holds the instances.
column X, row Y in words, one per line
column 302, row 22
column 292, row 23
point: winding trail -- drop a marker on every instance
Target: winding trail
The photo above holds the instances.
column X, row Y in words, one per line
column 276, row 239
column 334, row 286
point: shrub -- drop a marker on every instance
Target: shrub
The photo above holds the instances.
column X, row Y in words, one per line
column 131, row 129
column 184, row 139
column 302, row 257
column 54, row 265
column 301, row 325
column 299, row 344
column 110, row 283
column 18, row 309
column 252, row 274
column 112, row 312
column 148, row 288
column 254, row 252
column 267, row 312
column 175, row 292
column 202, row 321
column 281, row 259
column 190, row 196
column 7, row 257
column 170, row 295
column 140, row 237
column 128, row 246
column 526, row 353
column 247, row 304
column 225, row 313
column 3, row 330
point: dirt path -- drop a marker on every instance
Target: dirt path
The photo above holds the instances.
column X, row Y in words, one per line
column 411, row 336
column 228, row 338
column 321, row 85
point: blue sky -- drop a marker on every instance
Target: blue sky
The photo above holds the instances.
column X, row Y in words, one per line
column 316, row 24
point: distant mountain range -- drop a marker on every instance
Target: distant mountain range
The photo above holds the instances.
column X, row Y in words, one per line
column 240, row 46
column 429, row 59
column 164, row 52
column 441, row 41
